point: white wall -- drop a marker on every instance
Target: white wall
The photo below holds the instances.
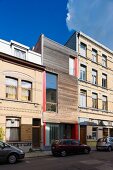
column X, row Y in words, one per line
column 8, row 48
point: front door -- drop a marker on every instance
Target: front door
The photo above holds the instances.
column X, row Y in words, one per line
column 83, row 134
column 36, row 133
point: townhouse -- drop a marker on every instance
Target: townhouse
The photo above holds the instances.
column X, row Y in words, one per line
column 60, row 97
column 21, row 96
column 95, row 88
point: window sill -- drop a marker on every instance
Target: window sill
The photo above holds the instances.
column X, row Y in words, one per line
column 19, row 101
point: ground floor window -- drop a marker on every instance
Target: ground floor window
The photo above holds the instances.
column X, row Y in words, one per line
column 57, row 131
column 12, row 129
column 94, row 132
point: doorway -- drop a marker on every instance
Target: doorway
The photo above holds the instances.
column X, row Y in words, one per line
column 83, row 134
column 36, row 132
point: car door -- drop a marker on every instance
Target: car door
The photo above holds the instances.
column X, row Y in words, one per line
column 4, row 150
column 111, row 141
column 75, row 146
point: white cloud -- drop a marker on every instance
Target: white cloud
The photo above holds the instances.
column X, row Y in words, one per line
column 93, row 17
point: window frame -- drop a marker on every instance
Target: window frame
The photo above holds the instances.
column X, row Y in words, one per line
column 83, row 72
column 83, row 49
column 95, row 100
column 48, row 103
column 29, row 90
column 104, row 103
column 13, row 86
column 71, row 66
column 104, row 80
column 94, row 55
column 104, row 60
column 94, row 77
column 83, row 98
column 20, row 53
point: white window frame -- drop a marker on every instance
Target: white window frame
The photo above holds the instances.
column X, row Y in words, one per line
column 83, row 49
column 94, row 55
column 83, row 98
column 94, row 77
column 83, row 72
column 71, row 66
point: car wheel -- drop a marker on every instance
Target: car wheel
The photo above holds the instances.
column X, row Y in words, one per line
column 86, row 151
column 109, row 148
column 12, row 158
column 63, row 153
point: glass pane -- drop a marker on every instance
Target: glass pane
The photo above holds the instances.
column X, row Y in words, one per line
column 51, row 92
column 71, row 66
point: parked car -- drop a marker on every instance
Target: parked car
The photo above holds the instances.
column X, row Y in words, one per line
column 65, row 147
column 105, row 144
column 10, row 153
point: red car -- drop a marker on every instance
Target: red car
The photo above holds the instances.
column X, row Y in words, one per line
column 65, row 147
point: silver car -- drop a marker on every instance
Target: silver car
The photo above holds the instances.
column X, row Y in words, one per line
column 105, row 144
column 10, row 153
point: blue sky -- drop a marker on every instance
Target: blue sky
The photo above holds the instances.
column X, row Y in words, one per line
column 24, row 20
column 93, row 17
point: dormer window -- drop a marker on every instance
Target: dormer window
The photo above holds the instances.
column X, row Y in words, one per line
column 19, row 53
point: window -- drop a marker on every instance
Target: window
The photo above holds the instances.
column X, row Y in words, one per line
column 71, row 66
column 94, row 55
column 51, row 92
column 11, row 88
column 83, row 98
column 83, row 49
column 52, row 133
column 94, row 76
column 26, row 90
column 104, row 80
column 94, row 100
column 12, row 129
column 82, row 72
column 20, row 54
column 94, row 133
column 104, row 60
column 104, row 103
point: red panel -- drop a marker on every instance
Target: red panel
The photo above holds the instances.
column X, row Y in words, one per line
column 76, row 67
column 44, row 91
column 44, row 133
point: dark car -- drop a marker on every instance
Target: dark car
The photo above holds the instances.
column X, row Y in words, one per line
column 10, row 153
column 65, row 147
column 105, row 144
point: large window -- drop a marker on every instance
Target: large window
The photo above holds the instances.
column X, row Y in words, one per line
column 94, row 55
column 82, row 72
column 71, row 66
column 19, row 53
column 94, row 100
column 12, row 129
column 104, row 80
column 94, row 76
column 26, row 90
column 11, row 88
column 51, row 92
column 104, row 102
column 83, row 49
column 83, row 102
column 104, row 60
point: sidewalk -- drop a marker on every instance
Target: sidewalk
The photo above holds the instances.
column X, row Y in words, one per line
column 43, row 153
column 37, row 154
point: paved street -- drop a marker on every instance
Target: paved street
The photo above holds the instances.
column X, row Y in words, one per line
column 94, row 161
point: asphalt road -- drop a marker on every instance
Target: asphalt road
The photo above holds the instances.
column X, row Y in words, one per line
column 93, row 161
